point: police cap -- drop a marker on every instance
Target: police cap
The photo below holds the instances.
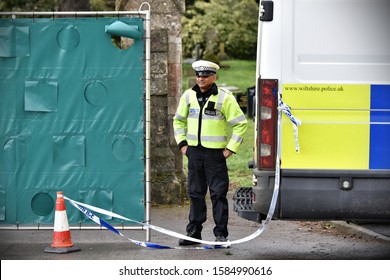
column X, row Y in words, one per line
column 205, row 68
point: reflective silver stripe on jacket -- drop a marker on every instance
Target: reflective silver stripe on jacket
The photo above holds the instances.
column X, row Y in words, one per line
column 237, row 138
column 188, row 98
column 191, row 137
column 237, row 120
column 221, row 98
column 213, row 139
column 216, row 139
column 180, row 131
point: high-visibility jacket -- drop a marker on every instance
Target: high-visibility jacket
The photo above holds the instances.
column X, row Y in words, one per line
column 207, row 125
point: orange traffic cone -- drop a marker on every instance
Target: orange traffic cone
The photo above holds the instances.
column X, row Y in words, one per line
column 62, row 242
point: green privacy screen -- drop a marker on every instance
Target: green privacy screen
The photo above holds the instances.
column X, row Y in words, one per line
column 71, row 118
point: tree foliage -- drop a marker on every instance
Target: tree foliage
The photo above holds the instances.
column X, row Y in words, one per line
column 231, row 22
column 28, row 5
column 57, row 5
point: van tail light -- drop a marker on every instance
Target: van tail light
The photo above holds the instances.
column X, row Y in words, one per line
column 266, row 123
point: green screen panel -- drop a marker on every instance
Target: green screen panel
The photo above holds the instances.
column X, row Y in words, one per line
column 71, row 118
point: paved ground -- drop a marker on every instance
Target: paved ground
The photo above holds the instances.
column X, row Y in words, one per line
column 280, row 250
column 282, row 240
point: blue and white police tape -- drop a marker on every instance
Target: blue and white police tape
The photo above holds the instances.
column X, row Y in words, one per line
column 209, row 244
column 84, row 209
column 295, row 121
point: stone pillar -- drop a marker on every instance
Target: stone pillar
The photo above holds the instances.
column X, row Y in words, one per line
column 167, row 177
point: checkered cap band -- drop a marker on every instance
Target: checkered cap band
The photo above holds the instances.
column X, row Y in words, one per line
column 204, row 68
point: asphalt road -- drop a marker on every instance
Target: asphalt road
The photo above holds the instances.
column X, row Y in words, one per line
column 282, row 240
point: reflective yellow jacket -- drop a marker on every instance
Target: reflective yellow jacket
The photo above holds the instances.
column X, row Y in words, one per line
column 207, row 126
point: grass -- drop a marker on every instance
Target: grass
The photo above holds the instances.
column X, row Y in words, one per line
column 239, row 173
column 239, row 73
column 242, row 74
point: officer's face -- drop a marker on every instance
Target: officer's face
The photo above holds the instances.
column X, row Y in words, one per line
column 205, row 82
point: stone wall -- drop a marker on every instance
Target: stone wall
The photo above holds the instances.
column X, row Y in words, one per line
column 167, row 177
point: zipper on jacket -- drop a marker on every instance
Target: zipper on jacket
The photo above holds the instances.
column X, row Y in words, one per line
column 200, row 121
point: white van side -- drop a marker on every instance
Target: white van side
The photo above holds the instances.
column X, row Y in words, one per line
column 327, row 63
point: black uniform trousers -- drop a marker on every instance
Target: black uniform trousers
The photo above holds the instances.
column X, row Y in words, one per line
column 207, row 169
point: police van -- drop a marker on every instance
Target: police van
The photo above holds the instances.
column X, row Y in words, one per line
column 322, row 119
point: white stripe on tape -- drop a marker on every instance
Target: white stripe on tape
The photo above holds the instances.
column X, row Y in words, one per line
column 295, row 121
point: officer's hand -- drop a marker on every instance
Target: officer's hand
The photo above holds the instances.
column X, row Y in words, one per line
column 227, row 153
column 184, row 149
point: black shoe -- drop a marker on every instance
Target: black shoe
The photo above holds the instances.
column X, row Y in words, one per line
column 221, row 239
column 194, row 233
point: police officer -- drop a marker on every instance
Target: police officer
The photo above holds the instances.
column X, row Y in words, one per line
column 200, row 123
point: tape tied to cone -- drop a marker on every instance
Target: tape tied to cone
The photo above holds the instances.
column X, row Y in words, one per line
column 62, row 241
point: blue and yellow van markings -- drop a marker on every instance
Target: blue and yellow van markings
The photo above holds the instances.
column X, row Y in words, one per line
column 380, row 127
column 339, row 129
